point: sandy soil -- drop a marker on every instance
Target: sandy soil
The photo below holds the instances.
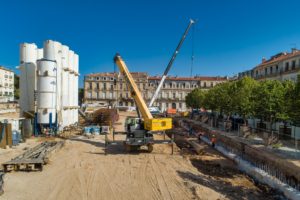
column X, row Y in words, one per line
column 83, row 170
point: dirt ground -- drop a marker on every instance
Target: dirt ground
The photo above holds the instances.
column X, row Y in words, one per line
column 82, row 170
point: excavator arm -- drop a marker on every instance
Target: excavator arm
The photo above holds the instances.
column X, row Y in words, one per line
column 150, row 123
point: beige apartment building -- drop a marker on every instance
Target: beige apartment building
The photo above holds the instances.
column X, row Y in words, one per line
column 6, row 85
column 111, row 89
column 282, row 66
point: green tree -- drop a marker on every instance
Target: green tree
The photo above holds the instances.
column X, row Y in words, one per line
column 242, row 97
column 195, row 98
column 289, row 96
column 80, row 95
column 269, row 100
column 16, row 86
column 294, row 106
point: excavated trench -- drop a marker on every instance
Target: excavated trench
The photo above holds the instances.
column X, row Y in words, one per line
column 222, row 174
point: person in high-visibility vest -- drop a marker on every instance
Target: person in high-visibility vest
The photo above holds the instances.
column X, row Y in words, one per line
column 213, row 140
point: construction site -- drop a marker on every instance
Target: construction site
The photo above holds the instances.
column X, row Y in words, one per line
column 51, row 147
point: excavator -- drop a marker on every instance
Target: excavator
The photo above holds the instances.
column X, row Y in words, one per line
column 142, row 135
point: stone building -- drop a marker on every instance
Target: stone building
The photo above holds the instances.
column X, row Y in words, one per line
column 282, row 66
column 6, row 85
column 111, row 89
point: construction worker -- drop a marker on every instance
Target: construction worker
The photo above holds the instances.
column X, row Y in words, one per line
column 213, row 140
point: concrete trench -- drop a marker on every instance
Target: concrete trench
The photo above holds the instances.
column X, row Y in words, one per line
column 272, row 172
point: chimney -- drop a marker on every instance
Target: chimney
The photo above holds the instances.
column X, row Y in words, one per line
column 294, row 50
column 263, row 60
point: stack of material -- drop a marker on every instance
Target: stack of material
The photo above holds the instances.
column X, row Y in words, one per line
column 34, row 158
column 5, row 135
column 105, row 116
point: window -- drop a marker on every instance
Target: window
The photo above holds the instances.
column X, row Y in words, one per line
column 174, row 95
column 266, row 71
column 180, row 105
column 167, row 105
column 271, row 70
column 204, row 84
column 111, row 86
column 98, row 86
column 121, row 96
column 293, row 64
column 121, row 86
column 103, row 95
column 126, row 94
column 104, row 78
column 170, row 85
column 98, row 95
column 287, row 66
column 104, row 86
column 89, row 95
column 90, row 86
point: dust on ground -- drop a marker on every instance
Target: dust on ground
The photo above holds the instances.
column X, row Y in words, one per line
column 84, row 169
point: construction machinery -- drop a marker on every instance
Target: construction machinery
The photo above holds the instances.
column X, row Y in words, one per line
column 145, row 125
column 164, row 76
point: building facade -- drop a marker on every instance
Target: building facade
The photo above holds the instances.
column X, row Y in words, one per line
column 111, row 89
column 282, row 66
column 6, row 85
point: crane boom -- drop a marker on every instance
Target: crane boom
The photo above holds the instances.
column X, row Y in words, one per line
column 135, row 93
column 171, row 62
column 150, row 123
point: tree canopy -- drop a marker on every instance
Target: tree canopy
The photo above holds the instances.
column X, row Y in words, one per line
column 269, row 100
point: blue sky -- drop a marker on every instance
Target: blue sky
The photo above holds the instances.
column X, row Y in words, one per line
column 230, row 36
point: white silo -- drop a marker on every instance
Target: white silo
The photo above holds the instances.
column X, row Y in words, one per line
column 71, row 86
column 46, row 91
column 76, row 74
column 28, row 56
column 27, row 87
column 65, row 85
column 28, row 53
column 49, row 50
column 40, row 54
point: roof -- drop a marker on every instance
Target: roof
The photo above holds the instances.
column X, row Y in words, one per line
column 1, row 67
column 172, row 78
column 113, row 74
column 279, row 57
column 195, row 78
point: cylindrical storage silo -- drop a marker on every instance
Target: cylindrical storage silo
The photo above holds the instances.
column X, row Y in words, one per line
column 76, row 63
column 28, row 53
column 71, row 97
column 40, row 54
column 27, row 87
column 49, row 50
column 71, row 61
column 46, row 91
column 65, row 56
